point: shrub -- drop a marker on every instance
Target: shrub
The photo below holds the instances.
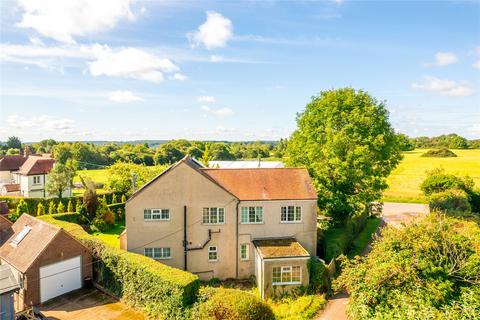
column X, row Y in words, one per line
column 438, row 180
column 32, row 203
column 60, row 207
column 51, row 208
column 78, row 205
column 114, row 199
column 427, row 270
column 439, row 153
column 40, row 209
column 453, row 201
column 22, row 207
column 124, row 198
column 13, row 216
column 159, row 290
column 319, row 281
column 104, row 217
column 70, row 206
column 233, row 304
column 297, row 308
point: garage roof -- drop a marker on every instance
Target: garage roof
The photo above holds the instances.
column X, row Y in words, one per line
column 23, row 254
column 280, row 248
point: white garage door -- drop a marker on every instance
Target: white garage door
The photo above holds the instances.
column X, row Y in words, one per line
column 59, row 278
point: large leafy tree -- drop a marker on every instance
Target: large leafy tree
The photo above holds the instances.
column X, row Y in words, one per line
column 120, row 176
column 345, row 140
column 59, row 179
column 13, row 143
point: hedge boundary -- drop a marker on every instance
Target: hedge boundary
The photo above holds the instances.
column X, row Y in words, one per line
column 157, row 289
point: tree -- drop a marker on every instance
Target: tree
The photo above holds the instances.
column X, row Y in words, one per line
column 13, row 152
column 70, row 206
column 78, row 205
column 40, row 209
column 404, row 143
column 59, row 179
column 438, row 180
column 90, row 199
column 120, row 176
column 22, row 207
column 62, row 152
column 207, row 155
column 124, row 198
column 114, row 198
column 51, row 208
column 60, row 207
column 13, row 143
column 345, row 140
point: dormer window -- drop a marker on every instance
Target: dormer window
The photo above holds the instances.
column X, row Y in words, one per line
column 21, row 235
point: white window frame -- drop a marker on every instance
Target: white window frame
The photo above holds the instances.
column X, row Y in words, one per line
column 282, row 220
column 245, row 213
column 35, row 178
column 213, row 212
column 157, row 214
column 213, row 249
column 247, row 252
column 162, row 253
column 286, row 270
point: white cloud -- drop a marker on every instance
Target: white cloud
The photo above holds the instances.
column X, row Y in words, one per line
column 443, row 87
column 214, row 33
column 218, row 112
column 130, row 63
column 442, row 59
column 207, row 99
column 42, row 122
column 63, row 20
column 123, row 96
column 179, row 77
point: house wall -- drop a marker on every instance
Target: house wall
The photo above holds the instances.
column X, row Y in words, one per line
column 184, row 186
column 5, row 177
column 61, row 248
column 270, row 290
column 29, row 189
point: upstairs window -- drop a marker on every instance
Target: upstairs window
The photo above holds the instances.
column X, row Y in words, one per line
column 291, row 214
column 252, row 215
column 36, row 179
column 212, row 254
column 158, row 253
column 156, row 214
column 286, row 275
column 213, row 215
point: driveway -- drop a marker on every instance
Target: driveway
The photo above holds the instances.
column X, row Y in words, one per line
column 393, row 214
column 87, row 304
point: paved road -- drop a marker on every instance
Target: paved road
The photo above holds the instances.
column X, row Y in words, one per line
column 393, row 214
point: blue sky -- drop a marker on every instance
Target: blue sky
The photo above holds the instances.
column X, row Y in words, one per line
column 126, row 70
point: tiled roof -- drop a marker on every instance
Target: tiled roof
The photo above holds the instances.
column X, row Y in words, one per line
column 280, row 248
column 7, row 280
column 24, row 254
column 6, row 230
column 265, row 184
column 12, row 187
column 11, row 163
column 36, row 165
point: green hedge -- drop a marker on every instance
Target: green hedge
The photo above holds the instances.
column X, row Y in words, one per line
column 118, row 209
column 32, row 203
column 159, row 290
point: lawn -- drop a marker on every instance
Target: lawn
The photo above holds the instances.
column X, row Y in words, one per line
column 405, row 180
column 111, row 236
column 99, row 176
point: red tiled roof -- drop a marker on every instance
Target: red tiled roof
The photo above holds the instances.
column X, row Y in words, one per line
column 36, row 165
column 12, row 187
column 265, row 184
column 11, row 163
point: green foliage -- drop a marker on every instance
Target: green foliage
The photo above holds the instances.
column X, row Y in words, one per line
column 104, row 217
column 22, row 207
column 297, row 308
column 13, row 143
column 40, row 209
column 359, row 244
column 114, row 199
column 59, row 179
column 404, row 143
column 13, row 152
column 438, row 180
column 345, row 140
column 452, row 141
column 233, row 304
column 120, row 176
column 13, row 216
column 451, row 201
column 70, row 206
column 90, row 199
column 427, row 270
column 60, row 208
column 51, row 208
column 439, row 153
column 157, row 289
column 124, row 198
column 319, row 279
column 78, row 205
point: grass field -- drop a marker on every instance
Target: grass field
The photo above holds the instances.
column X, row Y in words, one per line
column 99, row 176
column 404, row 182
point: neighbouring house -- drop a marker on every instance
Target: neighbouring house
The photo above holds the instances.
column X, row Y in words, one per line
column 6, row 230
column 8, row 285
column 8, row 165
column 245, row 164
column 227, row 223
column 10, row 189
column 45, row 260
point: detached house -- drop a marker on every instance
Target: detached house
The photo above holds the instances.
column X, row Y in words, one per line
column 227, row 223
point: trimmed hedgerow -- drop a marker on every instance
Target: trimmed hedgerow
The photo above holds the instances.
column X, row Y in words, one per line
column 159, row 290
column 232, row 304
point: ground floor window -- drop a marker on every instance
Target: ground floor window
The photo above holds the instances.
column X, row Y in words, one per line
column 158, row 253
column 287, row 275
column 212, row 253
column 244, row 251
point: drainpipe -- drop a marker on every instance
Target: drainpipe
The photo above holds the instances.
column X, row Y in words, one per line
column 236, row 240
column 185, row 237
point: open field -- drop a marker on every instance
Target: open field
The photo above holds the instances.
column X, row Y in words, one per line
column 405, row 180
column 99, row 176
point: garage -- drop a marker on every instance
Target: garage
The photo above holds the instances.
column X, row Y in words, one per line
column 59, row 278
